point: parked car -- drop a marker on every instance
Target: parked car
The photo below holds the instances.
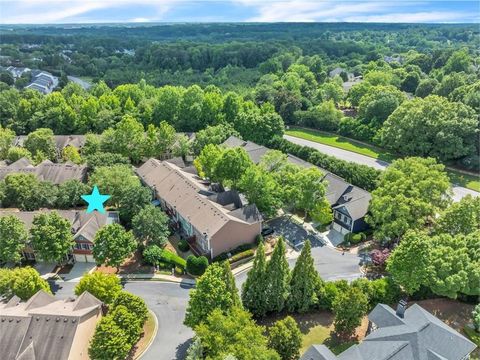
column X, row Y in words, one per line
column 266, row 231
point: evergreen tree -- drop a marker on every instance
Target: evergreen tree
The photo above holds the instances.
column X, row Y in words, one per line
column 304, row 283
column 277, row 278
column 254, row 295
column 230, row 283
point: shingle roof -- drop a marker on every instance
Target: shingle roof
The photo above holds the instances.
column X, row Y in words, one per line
column 318, row 352
column 47, row 171
column 417, row 336
column 336, row 187
column 83, row 224
column 43, row 327
column 190, row 196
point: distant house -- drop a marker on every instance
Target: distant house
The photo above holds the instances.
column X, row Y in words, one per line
column 17, row 72
column 411, row 334
column 212, row 220
column 61, row 141
column 42, row 81
column 392, row 59
column 46, row 171
column 46, row 328
column 84, row 229
column 349, row 203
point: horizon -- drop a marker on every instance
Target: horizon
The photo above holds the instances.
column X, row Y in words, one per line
column 91, row 12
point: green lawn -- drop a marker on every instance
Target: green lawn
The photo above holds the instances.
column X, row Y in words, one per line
column 321, row 335
column 341, row 143
column 469, row 181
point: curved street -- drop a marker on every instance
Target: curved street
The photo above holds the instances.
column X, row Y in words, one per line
column 458, row 191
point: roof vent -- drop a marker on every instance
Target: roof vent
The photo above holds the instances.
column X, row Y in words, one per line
column 401, row 307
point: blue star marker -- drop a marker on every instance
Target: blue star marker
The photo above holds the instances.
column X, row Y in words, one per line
column 95, row 201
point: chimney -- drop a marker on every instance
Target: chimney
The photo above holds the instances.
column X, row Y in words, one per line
column 401, row 307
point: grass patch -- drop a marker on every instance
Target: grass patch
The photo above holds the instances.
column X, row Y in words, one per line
column 148, row 332
column 472, row 334
column 317, row 335
column 341, row 143
column 471, row 182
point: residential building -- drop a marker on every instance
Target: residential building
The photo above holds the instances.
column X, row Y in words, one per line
column 46, row 170
column 42, row 81
column 212, row 220
column 17, row 72
column 407, row 334
column 84, row 229
column 349, row 203
column 61, row 141
column 46, row 328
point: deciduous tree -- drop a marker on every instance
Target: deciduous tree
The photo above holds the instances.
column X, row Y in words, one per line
column 23, row 282
column 109, row 341
column 234, row 333
column 51, row 236
column 209, row 294
column 285, row 338
column 151, row 225
column 112, row 245
column 104, row 287
column 13, row 238
column 349, row 308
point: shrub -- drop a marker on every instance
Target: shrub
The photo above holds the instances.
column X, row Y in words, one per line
column 173, row 259
column 109, row 341
column 133, row 303
column 328, row 293
column 238, row 249
column 476, row 318
column 154, row 255
column 242, row 255
column 179, row 270
column 183, row 245
column 196, row 265
column 379, row 257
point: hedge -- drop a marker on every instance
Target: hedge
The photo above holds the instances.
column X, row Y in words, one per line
column 242, row 255
column 359, row 175
column 156, row 256
column 355, row 238
column 238, row 249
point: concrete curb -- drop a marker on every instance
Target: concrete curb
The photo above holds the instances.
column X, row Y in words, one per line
column 152, row 339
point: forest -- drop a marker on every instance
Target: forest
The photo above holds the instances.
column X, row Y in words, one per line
column 411, row 89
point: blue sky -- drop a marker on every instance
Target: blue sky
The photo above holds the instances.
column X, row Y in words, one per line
column 101, row 11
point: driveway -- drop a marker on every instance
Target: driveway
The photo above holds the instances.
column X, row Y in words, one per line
column 168, row 301
column 78, row 270
column 458, row 191
column 330, row 263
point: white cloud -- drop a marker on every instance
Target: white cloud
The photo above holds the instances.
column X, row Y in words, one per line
column 58, row 11
column 349, row 11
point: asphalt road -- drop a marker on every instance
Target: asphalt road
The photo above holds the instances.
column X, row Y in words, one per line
column 168, row 301
column 330, row 264
column 458, row 191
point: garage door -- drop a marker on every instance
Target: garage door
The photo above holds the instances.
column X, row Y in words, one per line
column 84, row 258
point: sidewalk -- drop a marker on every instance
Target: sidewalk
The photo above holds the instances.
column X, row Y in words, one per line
column 158, row 277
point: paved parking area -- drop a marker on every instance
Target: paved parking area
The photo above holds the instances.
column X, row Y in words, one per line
column 293, row 233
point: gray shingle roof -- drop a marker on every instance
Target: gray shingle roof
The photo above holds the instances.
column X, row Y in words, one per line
column 47, row 171
column 418, row 336
column 43, row 327
column 337, row 189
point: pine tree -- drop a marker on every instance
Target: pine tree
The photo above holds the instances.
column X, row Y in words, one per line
column 304, row 283
column 230, row 283
column 254, row 296
column 278, row 278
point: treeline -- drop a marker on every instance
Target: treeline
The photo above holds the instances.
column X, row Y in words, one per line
column 362, row 176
